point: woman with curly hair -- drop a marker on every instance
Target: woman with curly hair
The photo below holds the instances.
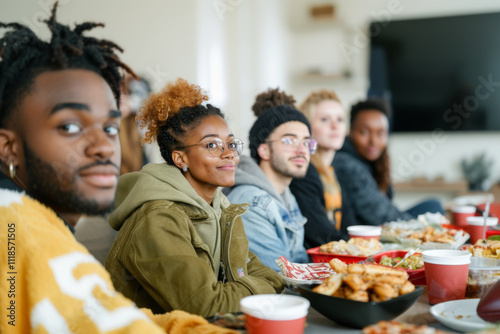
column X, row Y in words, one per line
column 181, row 244
column 319, row 194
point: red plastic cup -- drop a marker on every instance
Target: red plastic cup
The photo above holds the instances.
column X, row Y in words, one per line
column 460, row 214
column 446, row 273
column 270, row 314
column 475, row 227
column 364, row 231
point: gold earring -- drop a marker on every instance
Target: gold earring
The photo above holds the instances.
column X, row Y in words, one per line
column 12, row 170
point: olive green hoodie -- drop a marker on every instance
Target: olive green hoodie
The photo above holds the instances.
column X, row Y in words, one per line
column 175, row 251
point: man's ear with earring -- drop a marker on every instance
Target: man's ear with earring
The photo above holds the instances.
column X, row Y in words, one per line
column 9, row 148
column 12, row 170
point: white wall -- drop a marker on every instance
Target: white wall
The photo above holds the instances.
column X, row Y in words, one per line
column 256, row 57
column 234, row 49
column 413, row 155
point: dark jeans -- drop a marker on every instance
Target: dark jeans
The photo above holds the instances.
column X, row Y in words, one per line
column 429, row 205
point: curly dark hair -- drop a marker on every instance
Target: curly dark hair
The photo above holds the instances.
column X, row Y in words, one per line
column 271, row 98
column 170, row 114
column 382, row 166
column 23, row 56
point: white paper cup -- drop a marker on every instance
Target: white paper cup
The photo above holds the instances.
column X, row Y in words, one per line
column 475, row 227
column 446, row 274
column 364, row 231
column 269, row 314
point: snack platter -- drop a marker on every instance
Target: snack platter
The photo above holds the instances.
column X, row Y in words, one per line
column 414, row 233
column 352, row 251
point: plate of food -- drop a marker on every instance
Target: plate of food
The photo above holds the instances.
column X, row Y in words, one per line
column 352, row 251
column 413, row 265
column 484, row 248
column 460, row 315
column 426, row 236
column 397, row 327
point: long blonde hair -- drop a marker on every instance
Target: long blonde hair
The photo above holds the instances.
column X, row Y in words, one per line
column 308, row 109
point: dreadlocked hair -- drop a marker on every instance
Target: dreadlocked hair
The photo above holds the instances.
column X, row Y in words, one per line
column 271, row 98
column 23, row 56
column 170, row 114
column 381, row 166
column 307, row 107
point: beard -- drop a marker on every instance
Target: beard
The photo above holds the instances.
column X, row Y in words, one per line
column 57, row 188
column 280, row 165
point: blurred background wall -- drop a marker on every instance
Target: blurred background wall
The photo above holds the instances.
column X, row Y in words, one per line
column 235, row 49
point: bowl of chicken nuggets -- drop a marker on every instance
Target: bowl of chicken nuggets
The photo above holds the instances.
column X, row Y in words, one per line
column 358, row 295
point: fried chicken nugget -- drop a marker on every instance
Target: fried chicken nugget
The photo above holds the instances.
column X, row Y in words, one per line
column 369, row 280
column 494, row 245
column 407, row 287
column 391, row 279
column 355, row 282
column 375, row 298
column 338, row 266
column 444, row 238
column 330, row 285
column 326, row 247
column 385, row 291
column 375, row 269
column 358, row 295
column 356, row 268
column 340, row 293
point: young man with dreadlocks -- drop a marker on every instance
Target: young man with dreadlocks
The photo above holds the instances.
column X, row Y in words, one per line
column 60, row 155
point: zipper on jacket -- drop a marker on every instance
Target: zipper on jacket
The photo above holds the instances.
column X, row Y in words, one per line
column 226, row 245
column 222, row 273
column 227, row 242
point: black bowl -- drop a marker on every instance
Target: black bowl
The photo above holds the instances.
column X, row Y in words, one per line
column 358, row 314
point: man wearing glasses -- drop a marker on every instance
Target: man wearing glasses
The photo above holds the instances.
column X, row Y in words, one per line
column 280, row 145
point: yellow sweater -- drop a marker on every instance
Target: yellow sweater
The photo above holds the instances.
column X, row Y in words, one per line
column 49, row 283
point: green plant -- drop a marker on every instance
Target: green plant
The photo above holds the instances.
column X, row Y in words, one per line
column 478, row 171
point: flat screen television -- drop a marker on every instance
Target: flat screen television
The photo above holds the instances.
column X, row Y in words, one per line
column 438, row 73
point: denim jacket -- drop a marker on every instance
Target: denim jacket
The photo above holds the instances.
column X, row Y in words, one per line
column 273, row 223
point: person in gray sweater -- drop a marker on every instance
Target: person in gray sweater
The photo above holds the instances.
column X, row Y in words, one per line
column 280, row 148
column 362, row 169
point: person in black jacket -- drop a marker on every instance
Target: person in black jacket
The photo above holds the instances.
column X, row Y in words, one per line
column 319, row 194
column 363, row 170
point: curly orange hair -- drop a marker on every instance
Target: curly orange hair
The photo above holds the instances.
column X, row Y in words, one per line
column 167, row 103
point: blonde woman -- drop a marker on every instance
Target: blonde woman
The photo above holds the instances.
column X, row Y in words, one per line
column 319, row 194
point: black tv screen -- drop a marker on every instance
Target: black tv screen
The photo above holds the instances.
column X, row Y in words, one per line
column 438, row 73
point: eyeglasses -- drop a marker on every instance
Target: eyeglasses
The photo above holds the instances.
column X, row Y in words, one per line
column 216, row 146
column 294, row 143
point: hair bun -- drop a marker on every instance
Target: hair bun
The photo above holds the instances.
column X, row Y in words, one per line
column 167, row 103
